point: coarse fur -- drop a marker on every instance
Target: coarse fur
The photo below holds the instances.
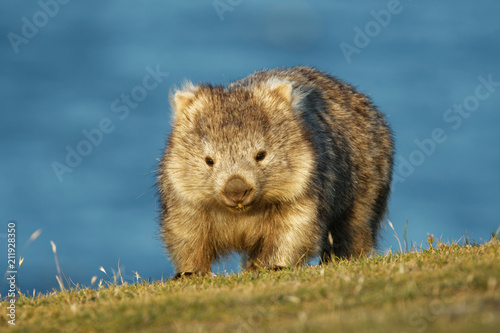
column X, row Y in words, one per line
column 280, row 166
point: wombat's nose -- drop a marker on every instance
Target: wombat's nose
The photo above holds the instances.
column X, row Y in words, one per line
column 236, row 190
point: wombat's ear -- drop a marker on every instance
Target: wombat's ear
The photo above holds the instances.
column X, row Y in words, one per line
column 281, row 88
column 181, row 98
column 285, row 90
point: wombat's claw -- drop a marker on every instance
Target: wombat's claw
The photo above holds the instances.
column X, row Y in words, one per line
column 179, row 276
column 183, row 274
column 240, row 207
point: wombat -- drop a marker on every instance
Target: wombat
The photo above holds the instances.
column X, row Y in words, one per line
column 281, row 166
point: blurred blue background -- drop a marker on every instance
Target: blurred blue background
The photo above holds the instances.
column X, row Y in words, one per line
column 72, row 69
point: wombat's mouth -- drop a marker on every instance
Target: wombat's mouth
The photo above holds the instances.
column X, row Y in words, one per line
column 239, row 207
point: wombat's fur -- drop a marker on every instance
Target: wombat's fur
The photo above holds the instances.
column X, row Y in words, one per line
column 280, row 166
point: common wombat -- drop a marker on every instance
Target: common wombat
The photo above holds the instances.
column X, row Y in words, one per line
column 281, row 166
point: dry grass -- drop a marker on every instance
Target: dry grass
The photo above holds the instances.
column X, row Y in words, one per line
column 444, row 288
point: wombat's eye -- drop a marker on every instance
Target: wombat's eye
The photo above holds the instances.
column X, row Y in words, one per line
column 260, row 156
column 209, row 161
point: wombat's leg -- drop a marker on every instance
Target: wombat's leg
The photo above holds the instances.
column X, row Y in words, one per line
column 360, row 231
column 190, row 255
column 193, row 263
column 291, row 236
column 276, row 255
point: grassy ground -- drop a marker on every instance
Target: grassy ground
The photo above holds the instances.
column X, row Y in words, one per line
column 448, row 288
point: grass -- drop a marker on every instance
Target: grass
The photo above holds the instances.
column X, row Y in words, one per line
column 446, row 288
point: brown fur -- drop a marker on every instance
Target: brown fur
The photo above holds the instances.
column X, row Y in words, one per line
column 325, row 174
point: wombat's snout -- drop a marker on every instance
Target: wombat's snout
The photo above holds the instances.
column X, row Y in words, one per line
column 237, row 191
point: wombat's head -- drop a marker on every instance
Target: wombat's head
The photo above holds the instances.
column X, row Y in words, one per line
column 239, row 147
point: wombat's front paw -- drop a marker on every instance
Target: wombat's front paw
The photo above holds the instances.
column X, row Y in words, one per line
column 191, row 275
column 256, row 267
column 277, row 268
column 183, row 274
